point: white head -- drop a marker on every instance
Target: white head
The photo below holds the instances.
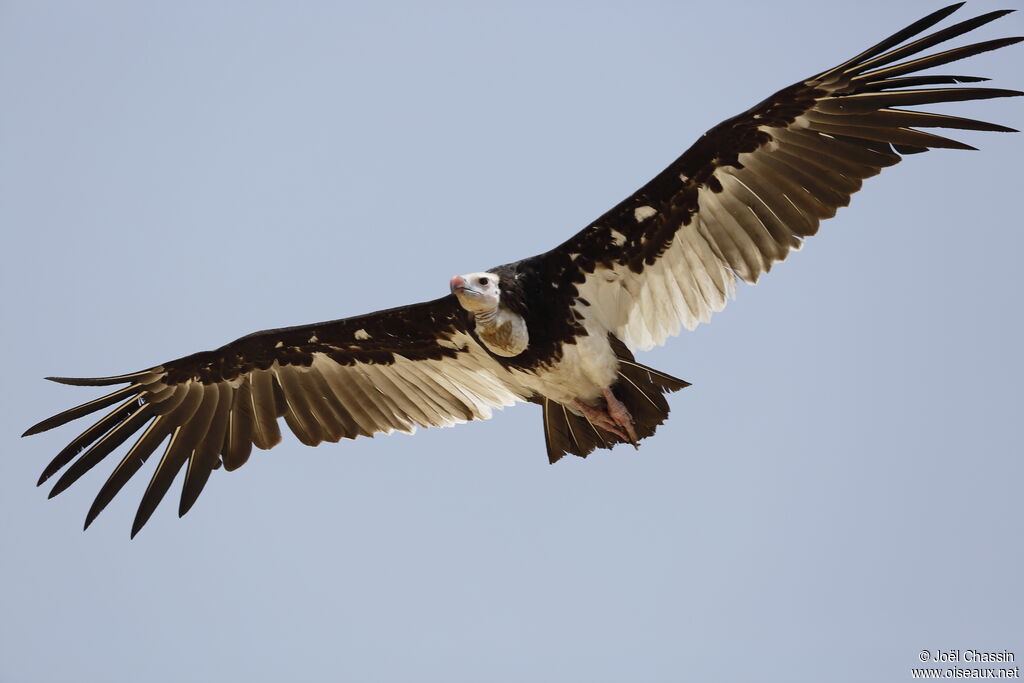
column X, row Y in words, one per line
column 477, row 292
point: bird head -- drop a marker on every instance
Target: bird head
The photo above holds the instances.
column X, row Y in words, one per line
column 476, row 292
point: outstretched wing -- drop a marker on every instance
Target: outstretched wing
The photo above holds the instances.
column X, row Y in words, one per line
column 383, row 372
column 753, row 187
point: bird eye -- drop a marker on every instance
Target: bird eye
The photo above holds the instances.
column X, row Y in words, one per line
column 483, row 282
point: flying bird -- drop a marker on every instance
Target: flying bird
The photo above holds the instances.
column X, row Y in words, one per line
column 558, row 329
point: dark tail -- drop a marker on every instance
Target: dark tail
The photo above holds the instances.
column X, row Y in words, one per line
column 639, row 387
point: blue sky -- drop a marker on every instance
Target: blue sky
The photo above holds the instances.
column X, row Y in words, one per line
column 839, row 489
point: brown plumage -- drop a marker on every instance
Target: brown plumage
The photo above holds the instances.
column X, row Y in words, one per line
column 743, row 197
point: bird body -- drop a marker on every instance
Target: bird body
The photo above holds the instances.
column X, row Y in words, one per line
column 558, row 329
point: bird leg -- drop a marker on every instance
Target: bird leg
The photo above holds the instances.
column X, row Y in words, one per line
column 614, row 418
column 600, row 418
column 620, row 415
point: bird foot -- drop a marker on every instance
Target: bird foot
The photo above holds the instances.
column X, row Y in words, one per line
column 600, row 418
column 620, row 415
column 613, row 418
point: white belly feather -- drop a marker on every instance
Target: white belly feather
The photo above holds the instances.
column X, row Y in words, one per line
column 585, row 368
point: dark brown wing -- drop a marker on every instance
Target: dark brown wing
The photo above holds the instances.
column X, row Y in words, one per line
column 753, row 187
column 382, row 372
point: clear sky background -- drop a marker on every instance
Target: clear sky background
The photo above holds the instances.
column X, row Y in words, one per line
column 840, row 488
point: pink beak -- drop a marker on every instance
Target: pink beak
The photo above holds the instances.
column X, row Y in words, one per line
column 457, row 284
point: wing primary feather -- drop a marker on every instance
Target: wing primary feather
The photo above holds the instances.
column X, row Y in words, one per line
column 86, row 438
column 912, row 81
column 106, row 381
column 171, row 403
column 196, row 430
column 895, row 39
column 103, row 448
column 860, row 103
column 929, row 61
column 179, row 410
column 895, row 136
column 170, row 464
column 238, row 444
column 203, row 458
column 175, row 454
column 136, row 456
column 83, row 409
column 886, row 118
column 160, row 393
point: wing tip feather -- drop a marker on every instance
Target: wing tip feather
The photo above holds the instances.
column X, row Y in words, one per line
column 37, row 428
column 137, row 525
column 80, row 381
column 105, row 381
column 91, row 516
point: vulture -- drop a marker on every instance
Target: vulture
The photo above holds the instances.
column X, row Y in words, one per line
column 558, row 329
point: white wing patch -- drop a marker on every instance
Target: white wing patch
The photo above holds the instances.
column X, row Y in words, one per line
column 681, row 289
column 761, row 213
column 642, row 213
column 428, row 393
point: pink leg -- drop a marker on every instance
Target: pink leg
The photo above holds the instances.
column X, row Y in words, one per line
column 600, row 418
column 620, row 415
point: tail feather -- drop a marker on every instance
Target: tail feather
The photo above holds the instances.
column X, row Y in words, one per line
column 640, row 388
column 567, row 432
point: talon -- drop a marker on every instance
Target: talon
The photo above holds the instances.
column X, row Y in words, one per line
column 600, row 418
column 614, row 418
column 618, row 412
